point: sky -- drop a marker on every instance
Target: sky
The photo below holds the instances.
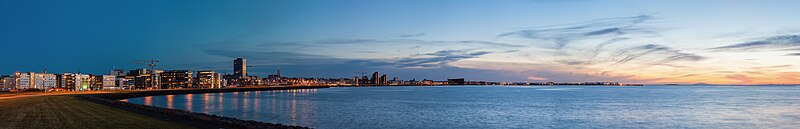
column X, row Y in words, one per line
column 632, row 41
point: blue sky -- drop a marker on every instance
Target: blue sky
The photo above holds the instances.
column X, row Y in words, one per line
column 549, row 40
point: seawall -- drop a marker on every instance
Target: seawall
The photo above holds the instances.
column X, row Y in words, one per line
column 198, row 120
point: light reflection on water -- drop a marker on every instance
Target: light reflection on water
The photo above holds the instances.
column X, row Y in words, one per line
column 504, row 107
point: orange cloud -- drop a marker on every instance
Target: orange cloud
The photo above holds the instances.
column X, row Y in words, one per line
column 535, row 78
column 739, row 77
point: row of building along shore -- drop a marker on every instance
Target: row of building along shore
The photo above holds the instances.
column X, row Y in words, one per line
column 146, row 79
column 140, row 79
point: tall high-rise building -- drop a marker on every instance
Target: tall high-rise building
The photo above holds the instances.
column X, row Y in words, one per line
column 376, row 78
column 240, row 68
column 355, row 80
column 384, row 80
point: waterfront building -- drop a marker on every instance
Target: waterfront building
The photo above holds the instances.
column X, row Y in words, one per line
column 66, row 81
column 365, row 80
column 144, row 79
column 239, row 76
column 118, row 72
column 208, row 79
column 384, row 80
column 156, row 75
column 375, row 78
column 45, row 81
column 455, row 81
column 23, row 80
column 97, row 82
column 253, row 81
column 141, row 78
column 230, row 79
column 108, row 82
column 124, row 82
column 223, row 81
column 426, row 82
column 75, row 81
column 32, row 80
column 7, row 83
column 83, row 82
column 172, row 79
column 2, row 83
column 355, row 80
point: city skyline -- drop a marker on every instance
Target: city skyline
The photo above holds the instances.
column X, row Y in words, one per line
column 654, row 42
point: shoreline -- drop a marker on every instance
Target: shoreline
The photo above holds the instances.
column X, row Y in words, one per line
column 195, row 119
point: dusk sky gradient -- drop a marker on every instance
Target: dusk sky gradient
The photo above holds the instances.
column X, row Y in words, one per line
column 638, row 41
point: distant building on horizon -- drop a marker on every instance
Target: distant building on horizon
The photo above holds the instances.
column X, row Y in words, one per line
column 375, row 78
column 456, row 81
column 384, row 80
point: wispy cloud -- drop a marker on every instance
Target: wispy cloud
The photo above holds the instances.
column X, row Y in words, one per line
column 662, row 54
column 275, row 56
column 793, row 54
column 770, row 43
column 413, row 35
column 602, row 45
column 562, row 35
column 575, row 62
column 390, row 41
column 772, row 67
column 536, row 78
column 437, row 59
column 687, row 75
column 426, row 60
column 432, row 65
column 552, row 72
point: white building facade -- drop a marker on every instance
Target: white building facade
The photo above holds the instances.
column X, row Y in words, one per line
column 109, row 82
column 31, row 80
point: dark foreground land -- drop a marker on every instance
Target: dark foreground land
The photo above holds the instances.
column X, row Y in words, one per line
column 102, row 110
column 70, row 112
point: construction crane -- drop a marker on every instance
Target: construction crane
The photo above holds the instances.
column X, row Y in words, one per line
column 151, row 63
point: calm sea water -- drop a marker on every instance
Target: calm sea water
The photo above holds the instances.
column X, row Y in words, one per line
column 505, row 106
